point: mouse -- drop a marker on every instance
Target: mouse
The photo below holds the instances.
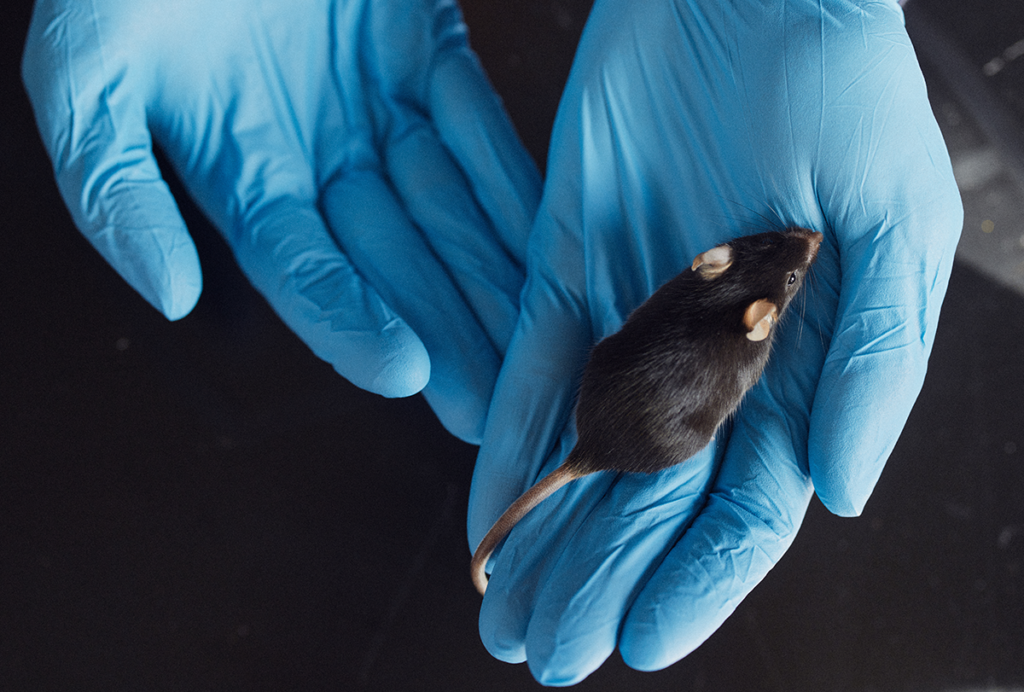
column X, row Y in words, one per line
column 654, row 393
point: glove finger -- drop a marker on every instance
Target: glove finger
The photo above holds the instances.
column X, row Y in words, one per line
column 291, row 258
column 452, row 156
column 435, row 194
column 369, row 221
column 534, row 396
column 93, row 125
column 605, row 548
column 529, row 415
column 422, row 62
column 523, row 567
column 898, row 209
column 749, row 521
column 475, row 128
column 891, row 292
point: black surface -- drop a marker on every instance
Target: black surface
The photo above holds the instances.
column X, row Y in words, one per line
column 203, row 505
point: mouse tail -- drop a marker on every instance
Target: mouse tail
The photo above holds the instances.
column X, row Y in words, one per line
column 540, row 491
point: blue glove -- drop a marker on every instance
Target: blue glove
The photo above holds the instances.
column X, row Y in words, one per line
column 352, row 154
column 685, row 123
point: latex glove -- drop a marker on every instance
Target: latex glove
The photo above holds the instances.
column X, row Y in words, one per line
column 353, row 155
column 685, row 123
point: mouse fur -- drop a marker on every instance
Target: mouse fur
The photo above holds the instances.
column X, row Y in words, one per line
column 653, row 394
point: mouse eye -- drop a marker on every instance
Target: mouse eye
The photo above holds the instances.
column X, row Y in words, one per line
column 792, row 279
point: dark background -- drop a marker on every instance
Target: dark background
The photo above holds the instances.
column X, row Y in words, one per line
column 204, row 505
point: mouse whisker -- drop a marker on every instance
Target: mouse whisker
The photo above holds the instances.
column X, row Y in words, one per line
column 803, row 307
column 763, row 223
column 810, row 283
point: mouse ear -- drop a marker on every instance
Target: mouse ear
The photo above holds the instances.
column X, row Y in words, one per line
column 759, row 319
column 713, row 262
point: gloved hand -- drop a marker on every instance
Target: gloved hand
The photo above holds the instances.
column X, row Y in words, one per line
column 685, row 123
column 353, row 155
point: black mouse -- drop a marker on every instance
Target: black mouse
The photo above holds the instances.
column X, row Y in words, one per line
column 653, row 394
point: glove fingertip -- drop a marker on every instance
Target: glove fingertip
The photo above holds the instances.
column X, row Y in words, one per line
column 642, row 642
column 844, row 479
column 840, row 501
column 184, row 291
column 405, row 372
column 505, row 654
column 497, row 640
column 472, row 121
column 642, row 658
column 556, row 679
column 392, row 362
column 161, row 263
